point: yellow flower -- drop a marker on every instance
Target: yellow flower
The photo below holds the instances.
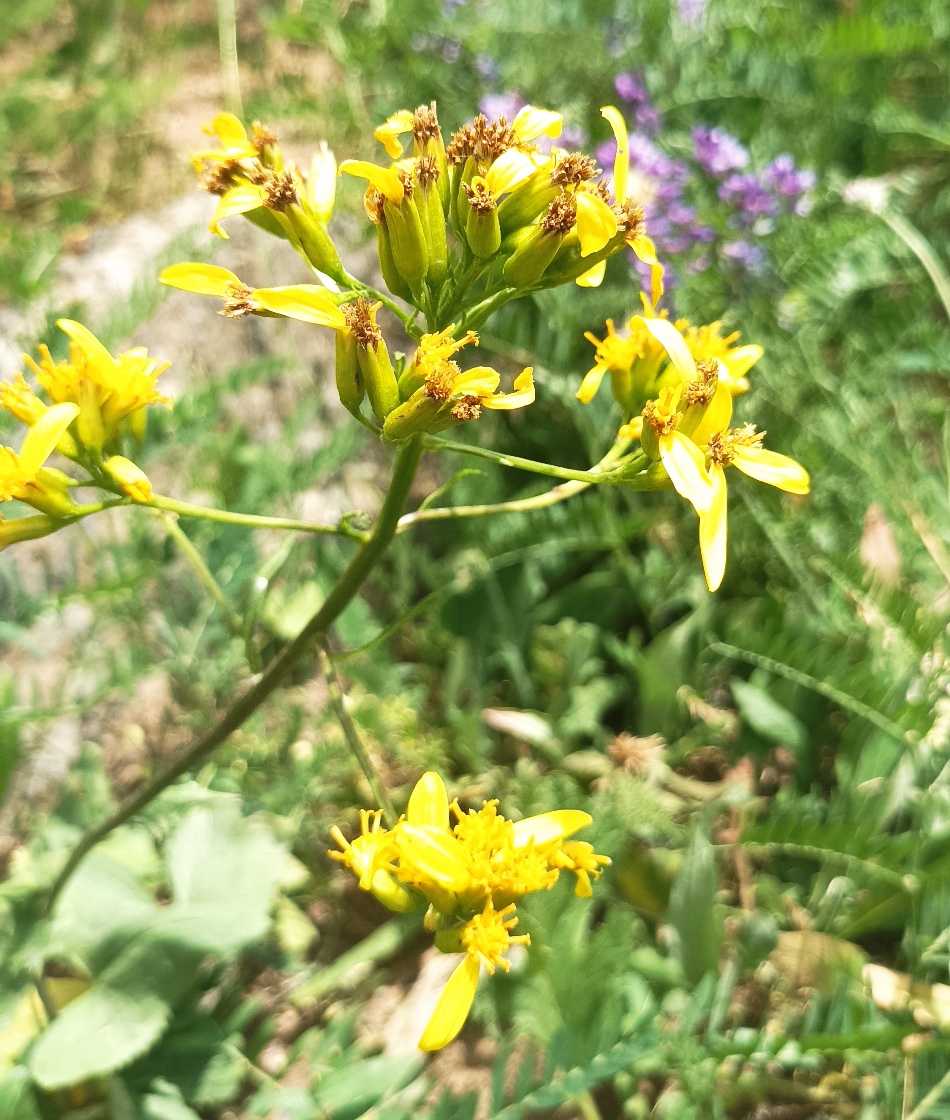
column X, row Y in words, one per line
column 633, row 360
column 707, row 343
column 108, row 390
column 531, row 123
column 741, row 448
column 485, row 939
column 131, row 478
column 391, row 129
column 682, row 459
column 23, row 476
column 472, row 873
column 641, row 245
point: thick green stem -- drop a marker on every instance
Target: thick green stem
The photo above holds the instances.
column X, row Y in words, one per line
column 346, row 587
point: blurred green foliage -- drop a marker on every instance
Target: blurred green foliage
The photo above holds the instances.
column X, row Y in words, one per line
column 769, row 768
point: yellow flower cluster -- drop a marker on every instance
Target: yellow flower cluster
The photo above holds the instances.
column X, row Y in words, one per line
column 682, row 381
column 471, row 873
column 96, row 403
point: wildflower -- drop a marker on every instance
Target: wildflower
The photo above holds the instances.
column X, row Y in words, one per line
column 717, row 152
column 707, row 343
column 437, row 393
column 111, row 393
column 633, row 361
column 23, row 475
column 472, row 873
column 131, row 478
column 741, row 448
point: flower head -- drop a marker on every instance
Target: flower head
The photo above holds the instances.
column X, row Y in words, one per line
column 472, row 872
column 718, row 152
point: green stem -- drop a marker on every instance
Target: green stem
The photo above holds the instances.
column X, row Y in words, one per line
column 619, row 476
column 346, row 587
column 935, row 1094
column 200, row 568
column 923, row 251
column 253, row 520
column 228, row 52
column 354, row 742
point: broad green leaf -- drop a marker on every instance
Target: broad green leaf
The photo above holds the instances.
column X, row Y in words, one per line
column 348, row 1092
column 100, row 1032
column 692, row 910
column 767, row 716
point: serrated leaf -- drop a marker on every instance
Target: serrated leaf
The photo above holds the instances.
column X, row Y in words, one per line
column 100, row 1032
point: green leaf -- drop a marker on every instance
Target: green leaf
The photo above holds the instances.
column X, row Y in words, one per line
column 348, row 1092
column 100, row 1032
column 692, row 910
column 767, row 716
column 17, row 1099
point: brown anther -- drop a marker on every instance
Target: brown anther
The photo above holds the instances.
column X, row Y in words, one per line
column 661, row 422
column 218, row 178
column 573, row 169
column 237, row 301
column 427, row 171
column 373, row 202
column 408, row 184
column 468, row 408
column 425, row 124
column 440, row 384
column 722, row 445
column 480, row 198
column 601, row 190
column 360, row 318
column 262, row 137
column 703, row 389
column 280, row 190
column 561, row 215
column 632, row 219
column 486, row 142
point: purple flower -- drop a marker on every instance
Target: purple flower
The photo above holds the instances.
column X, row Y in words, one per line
column 648, row 118
column 680, row 214
column 487, row 68
column 496, row 105
column 717, row 152
column 748, row 195
column 747, row 256
column 704, row 234
column 701, row 264
column 692, row 12
column 631, row 87
column 605, row 153
column 786, row 179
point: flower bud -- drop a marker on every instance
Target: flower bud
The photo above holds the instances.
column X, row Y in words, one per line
column 527, row 201
column 418, row 414
column 130, row 477
column 349, row 376
column 314, row 241
column 407, row 239
column 372, row 356
column 49, row 493
column 527, row 263
column 482, row 231
column 25, row 529
column 429, row 203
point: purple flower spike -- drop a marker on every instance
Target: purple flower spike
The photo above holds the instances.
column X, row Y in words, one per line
column 692, row 12
column 786, row 179
column 507, row 105
column 717, row 152
column 631, row 88
column 748, row 195
column 746, row 255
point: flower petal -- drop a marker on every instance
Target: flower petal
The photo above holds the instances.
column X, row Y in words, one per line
column 453, row 1007
column 321, row 182
column 384, row 179
column 672, row 342
column 133, row 480
column 622, row 160
column 591, row 383
column 686, row 466
column 307, row 302
column 391, row 129
column 596, row 223
column 772, row 468
column 716, row 417
column 742, row 359
column 42, row 438
column 530, row 123
column 593, row 277
column 202, row 279
column 712, row 530
column 548, row 827
column 429, row 803
column 87, row 342
column 432, row 853
column 522, row 396
column 230, row 132
column 508, row 171
column 238, row 200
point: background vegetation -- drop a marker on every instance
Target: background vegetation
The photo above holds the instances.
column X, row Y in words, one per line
column 768, row 767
